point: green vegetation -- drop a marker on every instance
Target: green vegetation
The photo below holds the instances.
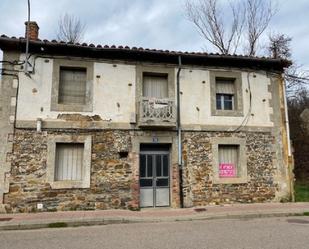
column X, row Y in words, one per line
column 57, row 225
column 302, row 192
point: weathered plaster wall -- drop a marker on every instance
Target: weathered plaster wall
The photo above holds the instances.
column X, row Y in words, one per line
column 8, row 91
column 113, row 88
column 114, row 100
column 114, row 180
column 196, row 100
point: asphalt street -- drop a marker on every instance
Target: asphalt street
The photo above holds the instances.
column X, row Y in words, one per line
column 292, row 232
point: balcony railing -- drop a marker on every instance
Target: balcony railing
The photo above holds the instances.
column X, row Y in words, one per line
column 157, row 112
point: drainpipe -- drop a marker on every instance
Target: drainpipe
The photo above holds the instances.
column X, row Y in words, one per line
column 287, row 119
column 179, row 133
column 287, row 126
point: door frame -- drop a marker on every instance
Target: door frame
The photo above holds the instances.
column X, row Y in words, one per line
column 154, row 177
column 156, row 138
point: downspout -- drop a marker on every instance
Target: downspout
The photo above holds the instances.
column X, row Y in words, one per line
column 290, row 159
column 287, row 119
column 179, row 134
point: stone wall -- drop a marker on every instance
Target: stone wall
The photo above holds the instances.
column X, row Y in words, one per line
column 111, row 176
column 199, row 188
column 114, row 178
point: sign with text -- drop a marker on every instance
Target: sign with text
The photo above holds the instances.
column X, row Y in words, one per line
column 227, row 170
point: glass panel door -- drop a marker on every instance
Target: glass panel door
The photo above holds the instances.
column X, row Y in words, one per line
column 154, row 179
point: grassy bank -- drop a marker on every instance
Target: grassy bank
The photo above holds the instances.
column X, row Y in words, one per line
column 302, row 192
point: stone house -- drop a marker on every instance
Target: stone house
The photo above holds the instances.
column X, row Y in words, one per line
column 87, row 127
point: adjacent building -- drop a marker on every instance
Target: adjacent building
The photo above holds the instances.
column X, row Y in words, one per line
column 86, row 127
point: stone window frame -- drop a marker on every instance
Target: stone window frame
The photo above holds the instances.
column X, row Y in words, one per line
column 155, row 70
column 57, row 64
column 242, row 160
column 238, row 98
column 51, row 161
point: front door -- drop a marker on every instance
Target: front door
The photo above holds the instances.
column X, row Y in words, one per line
column 154, row 179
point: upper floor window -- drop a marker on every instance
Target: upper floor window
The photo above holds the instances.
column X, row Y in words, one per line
column 155, row 86
column 225, row 94
column 72, row 86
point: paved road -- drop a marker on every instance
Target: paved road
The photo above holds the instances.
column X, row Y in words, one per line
column 264, row 233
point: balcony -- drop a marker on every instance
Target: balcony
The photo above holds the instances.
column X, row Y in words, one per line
column 157, row 113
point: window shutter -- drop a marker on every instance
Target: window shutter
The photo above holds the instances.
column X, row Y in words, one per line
column 69, row 162
column 72, row 86
column 225, row 86
column 155, row 87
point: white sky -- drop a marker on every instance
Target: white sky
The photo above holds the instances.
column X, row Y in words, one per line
column 156, row 24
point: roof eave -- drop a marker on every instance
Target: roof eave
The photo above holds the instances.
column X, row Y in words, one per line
column 139, row 54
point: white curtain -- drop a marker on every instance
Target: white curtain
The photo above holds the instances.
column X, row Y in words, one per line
column 228, row 154
column 225, row 86
column 69, row 162
column 155, row 87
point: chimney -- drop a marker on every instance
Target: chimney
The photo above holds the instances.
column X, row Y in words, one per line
column 33, row 31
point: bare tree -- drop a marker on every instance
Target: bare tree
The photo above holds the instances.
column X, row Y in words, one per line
column 208, row 17
column 295, row 76
column 249, row 19
column 258, row 16
column 70, row 29
column 280, row 46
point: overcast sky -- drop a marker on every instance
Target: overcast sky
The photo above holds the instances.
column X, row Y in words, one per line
column 156, row 24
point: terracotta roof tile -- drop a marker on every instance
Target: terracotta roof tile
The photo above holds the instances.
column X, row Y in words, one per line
column 99, row 47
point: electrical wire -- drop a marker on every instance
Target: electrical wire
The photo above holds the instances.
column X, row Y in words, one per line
column 27, row 41
column 11, row 70
column 248, row 115
column 15, row 62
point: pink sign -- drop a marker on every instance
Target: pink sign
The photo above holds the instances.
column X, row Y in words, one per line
column 227, row 170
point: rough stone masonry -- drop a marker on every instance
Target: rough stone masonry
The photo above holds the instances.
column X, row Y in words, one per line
column 114, row 179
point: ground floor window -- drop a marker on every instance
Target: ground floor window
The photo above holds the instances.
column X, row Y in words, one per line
column 69, row 161
column 229, row 160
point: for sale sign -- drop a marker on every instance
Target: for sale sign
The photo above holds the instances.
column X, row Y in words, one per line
column 227, row 170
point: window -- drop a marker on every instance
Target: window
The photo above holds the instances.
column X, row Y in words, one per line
column 155, row 86
column 72, row 86
column 226, row 93
column 69, row 162
column 225, row 102
column 228, row 161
